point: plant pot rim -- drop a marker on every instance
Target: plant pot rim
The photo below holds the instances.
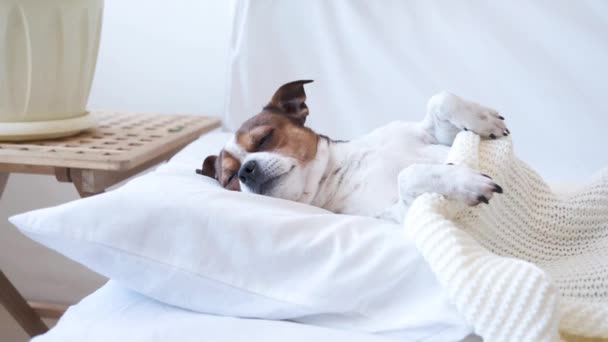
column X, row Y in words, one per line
column 21, row 131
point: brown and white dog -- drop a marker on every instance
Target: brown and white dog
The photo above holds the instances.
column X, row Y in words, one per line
column 379, row 174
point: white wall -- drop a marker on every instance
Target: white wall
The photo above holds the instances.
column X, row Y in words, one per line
column 163, row 56
column 155, row 56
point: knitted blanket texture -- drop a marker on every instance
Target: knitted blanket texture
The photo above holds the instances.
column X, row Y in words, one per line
column 528, row 265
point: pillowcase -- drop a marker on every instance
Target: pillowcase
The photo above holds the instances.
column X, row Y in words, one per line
column 180, row 238
column 114, row 313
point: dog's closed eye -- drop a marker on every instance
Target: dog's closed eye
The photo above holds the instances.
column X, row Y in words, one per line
column 266, row 138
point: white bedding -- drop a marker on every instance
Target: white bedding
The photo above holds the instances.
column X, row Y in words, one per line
column 114, row 313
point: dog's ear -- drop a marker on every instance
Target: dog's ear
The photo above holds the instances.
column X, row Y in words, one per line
column 290, row 99
column 208, row 167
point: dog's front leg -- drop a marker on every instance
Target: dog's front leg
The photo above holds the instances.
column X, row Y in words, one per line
column 454, row 182
column 448, row 114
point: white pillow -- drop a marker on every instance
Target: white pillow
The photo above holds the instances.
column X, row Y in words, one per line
column 114, row 313
column 180, row 238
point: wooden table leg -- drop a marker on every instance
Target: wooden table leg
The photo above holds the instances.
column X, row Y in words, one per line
column 12, row 300
column 3, row 180
column 19, row 309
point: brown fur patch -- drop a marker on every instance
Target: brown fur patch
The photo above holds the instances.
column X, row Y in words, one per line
column 290, row 100
column 279, row 128
column 227, row 168
column 286, row 137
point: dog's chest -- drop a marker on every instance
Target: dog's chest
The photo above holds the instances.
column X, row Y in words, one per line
column 363, row 176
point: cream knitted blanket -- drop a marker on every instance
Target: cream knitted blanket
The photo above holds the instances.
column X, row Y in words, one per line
column 529, row 264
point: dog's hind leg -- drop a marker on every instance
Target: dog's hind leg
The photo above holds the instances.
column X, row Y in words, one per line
column 448, row 114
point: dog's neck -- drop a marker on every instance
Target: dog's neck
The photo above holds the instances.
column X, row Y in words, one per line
column 329, row 181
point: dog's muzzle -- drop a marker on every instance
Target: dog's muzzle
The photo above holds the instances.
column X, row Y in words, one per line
column 255, row 178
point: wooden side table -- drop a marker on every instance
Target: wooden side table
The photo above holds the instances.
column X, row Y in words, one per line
column 122, row 145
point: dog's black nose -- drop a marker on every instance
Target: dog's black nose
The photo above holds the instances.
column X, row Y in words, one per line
column 248, row 173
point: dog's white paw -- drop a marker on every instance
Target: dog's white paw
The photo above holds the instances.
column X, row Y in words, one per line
column 482, row 120
column 470, row 116
column 470, row 186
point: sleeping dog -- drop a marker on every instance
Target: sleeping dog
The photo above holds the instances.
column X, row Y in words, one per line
column 379, row 174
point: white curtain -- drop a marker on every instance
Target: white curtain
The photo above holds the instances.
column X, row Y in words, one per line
column 543, row 64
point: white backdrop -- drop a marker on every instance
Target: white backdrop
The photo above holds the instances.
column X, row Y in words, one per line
column 543, row 64
column 163, row 56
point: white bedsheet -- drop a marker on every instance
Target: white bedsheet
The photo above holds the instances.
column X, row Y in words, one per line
column 114, row 313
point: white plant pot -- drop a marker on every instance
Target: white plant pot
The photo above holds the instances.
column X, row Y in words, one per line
column 48, row 52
